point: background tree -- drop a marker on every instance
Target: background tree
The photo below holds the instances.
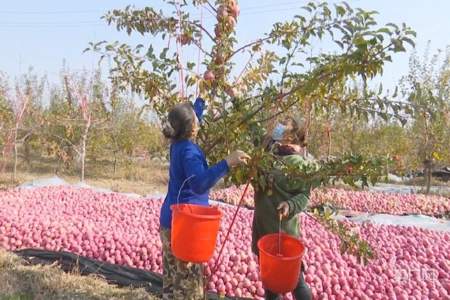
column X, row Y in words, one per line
column 29, row 132
column 21, row 112
column 427, row 88
column 130, row 131
column 71, row 115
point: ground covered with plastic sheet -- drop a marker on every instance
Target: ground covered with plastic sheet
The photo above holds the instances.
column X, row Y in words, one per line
column 411, row 263
column 374, row 202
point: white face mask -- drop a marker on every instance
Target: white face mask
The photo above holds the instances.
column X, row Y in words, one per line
column 278, row 132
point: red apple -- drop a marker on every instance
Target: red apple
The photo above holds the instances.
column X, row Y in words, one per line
column 234, row 9
column 222, row 13
column 209, row 76
column 230, row 91
column 184, row 39
column 231, row 21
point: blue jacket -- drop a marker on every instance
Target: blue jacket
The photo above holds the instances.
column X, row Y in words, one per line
column 186, row 160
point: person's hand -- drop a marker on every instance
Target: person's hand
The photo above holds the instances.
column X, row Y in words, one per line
column 283, row 209
column 236, row 158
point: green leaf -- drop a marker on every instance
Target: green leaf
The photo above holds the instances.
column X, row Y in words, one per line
column 340, row 44
column 411, row 32
column 190, row 65
column 286, row 43
column 163, row 54
column 395, row 92
column 392, row 25
column 307, row 8
column 409, row 41
column 385, row 30
column 398, row 45
column 340, row 10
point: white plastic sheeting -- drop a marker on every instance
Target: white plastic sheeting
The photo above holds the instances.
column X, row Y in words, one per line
column 42, row 182
column 56, row 181
column 394, row 178
column 406, row 189
column 420, row 221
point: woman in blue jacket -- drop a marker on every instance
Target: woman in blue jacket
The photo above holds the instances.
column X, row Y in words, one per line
column 190, row 179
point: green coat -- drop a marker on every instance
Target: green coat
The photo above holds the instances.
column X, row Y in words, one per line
column 295, row 191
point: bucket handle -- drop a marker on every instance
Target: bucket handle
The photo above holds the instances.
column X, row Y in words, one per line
column 182, row 185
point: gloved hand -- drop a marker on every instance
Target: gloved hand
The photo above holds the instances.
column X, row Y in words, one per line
column 283, row 209
column 199, row 107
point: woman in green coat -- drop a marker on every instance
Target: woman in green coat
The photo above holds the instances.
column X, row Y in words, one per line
column 283, row 195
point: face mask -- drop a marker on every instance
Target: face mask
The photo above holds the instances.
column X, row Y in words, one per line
column 278, row 132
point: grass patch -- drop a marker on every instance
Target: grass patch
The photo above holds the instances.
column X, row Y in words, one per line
column 17, row 297
column 21, row 281
column 144, row 177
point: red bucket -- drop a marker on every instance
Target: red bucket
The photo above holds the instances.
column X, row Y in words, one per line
column 280, row 272
column 194, row 231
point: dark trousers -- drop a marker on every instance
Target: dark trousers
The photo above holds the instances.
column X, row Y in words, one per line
column 301, row 291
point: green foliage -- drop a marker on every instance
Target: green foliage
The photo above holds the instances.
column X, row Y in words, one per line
column 120, row 130
column 271, row 83
column 427, row 89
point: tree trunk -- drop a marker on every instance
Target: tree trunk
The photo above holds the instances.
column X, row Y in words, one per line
column 428, row 160
column 83, row 152
column 387, row 169
column 83, row 155
column 329, row 141
column 428, row 180
column 15, row 155
column 427, row 170
column 115, row 162
column 352, row 144
column 27, row 153
column 15, row 162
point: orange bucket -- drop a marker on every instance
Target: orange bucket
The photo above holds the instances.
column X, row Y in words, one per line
column 194, row 231
column 280, row 271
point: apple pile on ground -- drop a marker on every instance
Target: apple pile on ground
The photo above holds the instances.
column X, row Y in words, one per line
column 411, row 263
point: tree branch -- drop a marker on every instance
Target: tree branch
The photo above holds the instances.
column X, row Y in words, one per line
column 248, row 45
column 69, row 93
column 288, row 60
column 204, row 30
column 67, row 141
column 321, row 77
column 278, row 113
column 211, row 6
column 244, row 69
column 196, row 43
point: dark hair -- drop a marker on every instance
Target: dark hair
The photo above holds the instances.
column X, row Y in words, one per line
column 181, row 120
column 298, row 132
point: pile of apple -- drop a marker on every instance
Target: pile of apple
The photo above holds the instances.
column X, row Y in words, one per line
column 363, row 201
column 376, row 202
column 411, row 263
column 232, row 195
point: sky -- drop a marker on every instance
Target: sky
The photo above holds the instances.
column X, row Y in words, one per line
column 42, row 34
